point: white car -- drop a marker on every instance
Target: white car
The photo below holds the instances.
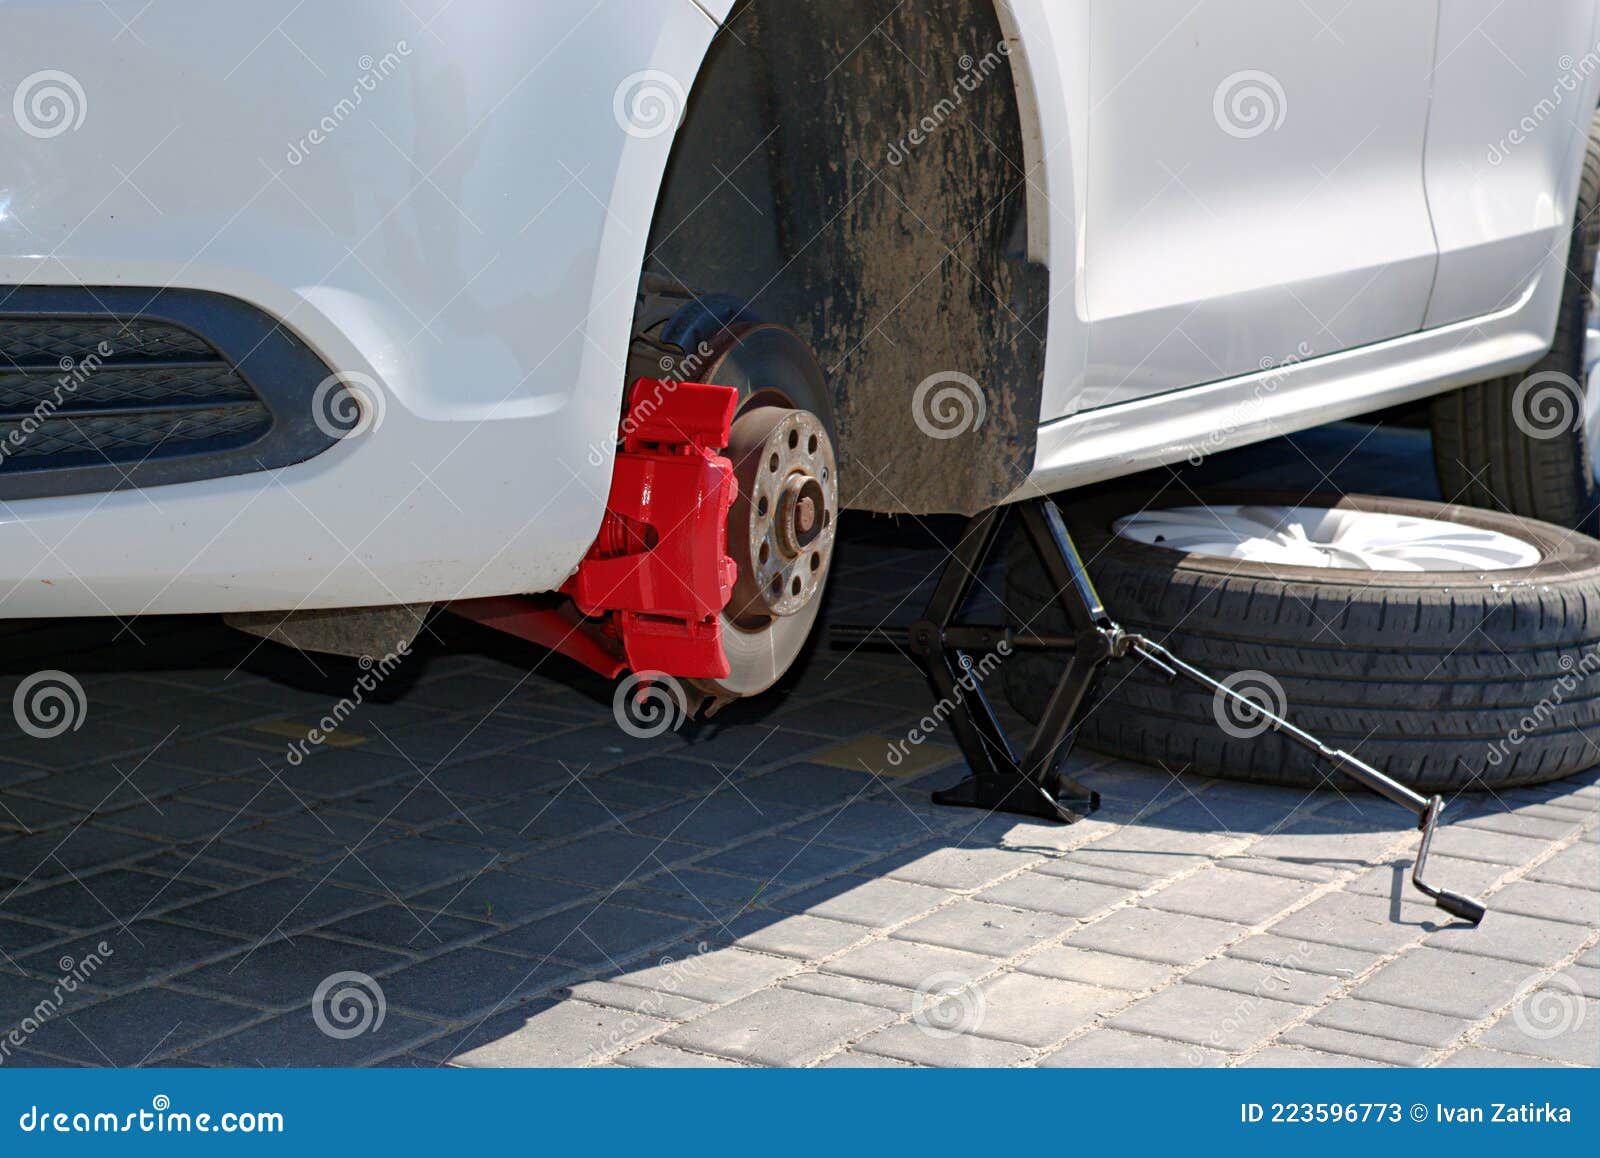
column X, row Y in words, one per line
column 311, row 311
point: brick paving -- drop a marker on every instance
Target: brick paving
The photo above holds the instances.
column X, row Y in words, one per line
column 516, row 881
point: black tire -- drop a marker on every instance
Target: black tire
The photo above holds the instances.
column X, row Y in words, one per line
column 1526, row 451
column 1446, row 680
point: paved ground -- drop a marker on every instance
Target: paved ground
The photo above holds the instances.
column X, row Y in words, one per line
column 484, row 857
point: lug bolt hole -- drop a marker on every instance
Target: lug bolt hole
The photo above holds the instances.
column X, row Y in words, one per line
column 777, row 584
column 794, row 439
column 772, row 463
column 761, row 506
column 764, row 553
column 811, row 445
column 816, row 560
column 794, row 588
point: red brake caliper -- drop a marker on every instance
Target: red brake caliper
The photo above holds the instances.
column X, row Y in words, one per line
column 655, row 581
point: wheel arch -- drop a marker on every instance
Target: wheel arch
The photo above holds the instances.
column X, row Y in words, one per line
column 860, row 173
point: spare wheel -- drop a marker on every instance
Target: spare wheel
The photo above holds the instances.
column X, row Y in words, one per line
column 1451, row 647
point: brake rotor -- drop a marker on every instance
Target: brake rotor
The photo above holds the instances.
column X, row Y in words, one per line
column 781, row 526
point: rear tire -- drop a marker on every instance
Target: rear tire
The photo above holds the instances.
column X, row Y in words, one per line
column 1526, row 442
column 1446, row 680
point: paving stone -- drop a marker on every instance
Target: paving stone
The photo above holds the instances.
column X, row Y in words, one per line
column 1454, row 984
column 1492, row 1059
column 1550, row 901
column 1215, row 1018
column 716, row 820
column 910, row 1042
column 46, row 856
column 853, row 989
column 470, row 983
column 1481, row 844
column 653, row 1056
column 21, row 996
column 1520, row 823
column 605, row 860
column 1549, row 1023
column 1417, row 1026
column 283, row 974
column 498, row 896
column 568, row 1033
column 805, row 937
column 1310, row 956
column 1115, row 1047
column 694, row 778
column 1277, row 1057
column 1577, row 866
column 907, row 963
column 294, row 1039
column 1392, row 881
column 870, row 825
column 1315, row 872
column 1275, row 981
column 1319, row 841
column 1226, row 895
column 777, row 1027
column 1351, row 921
column 410, row 866
column 781, row 861
column 1380, row 1049
column 285, row 905
column 93, row 902
column 19, row 814
column 650, row 1002
column 709, row 975
column 1529, row 940
column 745, row 749
column 945, row 866
column 406, row 929
column 1151, row 934
column 1148, row 848
column 1107, row 970
column 879, row 903
column 1049, row 894
column 1097, row 874
column 1585, row 980
column 608, row 933
column 138, row 1028
column 526, row 822
column 1037, row 1011
column 141, row 953
column 18, row 937
column 978, row 927
column 862, row 1061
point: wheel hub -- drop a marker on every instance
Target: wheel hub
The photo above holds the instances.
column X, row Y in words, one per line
column 781, row 527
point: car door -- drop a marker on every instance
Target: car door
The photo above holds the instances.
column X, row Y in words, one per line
column 1254, row 188
column 1514, row 89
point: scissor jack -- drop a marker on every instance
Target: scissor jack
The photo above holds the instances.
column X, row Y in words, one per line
column 1034, row 784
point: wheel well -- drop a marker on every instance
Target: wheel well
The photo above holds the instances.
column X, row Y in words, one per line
column 856, row 172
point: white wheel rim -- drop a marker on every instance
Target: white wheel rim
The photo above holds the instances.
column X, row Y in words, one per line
column 1323, row 537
